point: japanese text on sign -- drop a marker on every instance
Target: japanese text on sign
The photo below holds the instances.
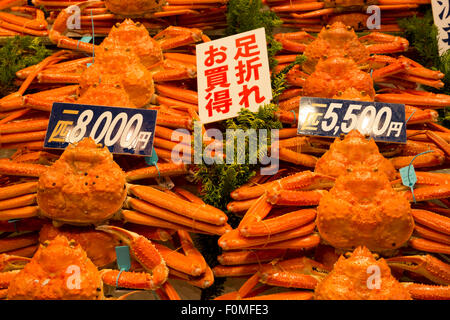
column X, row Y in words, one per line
column 121, row 130
column 232, row 73
column 330, row 118
column 441, row 15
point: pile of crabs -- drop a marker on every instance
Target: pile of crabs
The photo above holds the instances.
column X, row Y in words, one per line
column 335, row 222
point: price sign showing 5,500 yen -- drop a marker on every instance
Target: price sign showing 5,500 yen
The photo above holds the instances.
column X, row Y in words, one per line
column 384, row 122
column 121, row 130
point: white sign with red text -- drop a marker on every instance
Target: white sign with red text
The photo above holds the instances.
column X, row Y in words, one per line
column 441, row 15
column 232, row 73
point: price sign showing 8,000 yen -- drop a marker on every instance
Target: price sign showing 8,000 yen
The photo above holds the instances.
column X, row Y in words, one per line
column 384, row 122
column 121, row 130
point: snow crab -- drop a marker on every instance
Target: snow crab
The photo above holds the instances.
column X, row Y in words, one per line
column 359, row 275
column 339, row 40
column 359, row 203
column 307, row 16
column 61, row 270
column 85, row 187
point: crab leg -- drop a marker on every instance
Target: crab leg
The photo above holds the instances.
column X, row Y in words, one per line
column 297, row 158
column 300, row 243
column 425, row 265
column 240, row 206
column 314, row 14
column 428, row 292
column 5, row 4
column 167, row 219
column 22, row 201
column 145, row 253
column 432, row 220
column 38, row 24
column 151, row 233
column 384, row 43
column 167, row 292
column 205, row 213
column 26, row 252
column 289, row 274
column 233, row 240
column 236, row 271
column 203, row 281
column 258, row 211
column 426, row 160
column 279, row 224
column 302, row 180
column 429, row 246
column 12, row 243
column 432, row 235
column 178, row 93
column 298, row 7
column 292, row 41
column 25, row 30
column 174, row 122
column 439, row 141
column 180, row 262
column 17, row 190
column 428, row 193
column 250, row 256
column 8, row 167
column 19, row 213
column 187, row 195
column 173, row 37
column 295, row 198
column 430, row 101
column 23, row 126
column 163, row 170
column 10, row 262
column 60, row 25
column 290, row 295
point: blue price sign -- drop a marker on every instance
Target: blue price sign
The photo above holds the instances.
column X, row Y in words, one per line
column 384, row 122
column 121, row 130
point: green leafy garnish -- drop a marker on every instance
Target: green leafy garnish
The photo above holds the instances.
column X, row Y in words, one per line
column 422, row 34
column 246, row 15
column 18, row 53
column 219, row 180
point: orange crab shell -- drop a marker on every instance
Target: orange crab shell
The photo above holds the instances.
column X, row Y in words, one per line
column 362, row 209
column 355, row 149
column 122, row 70
column 336, row 74
column 134, row 36
column 335, row 40
column 352, row 94
column 59, row 270
column 84, row 186
column 99, row 246
column 133, row 7
column 350, row 280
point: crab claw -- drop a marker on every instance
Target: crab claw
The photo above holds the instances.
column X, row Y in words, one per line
column 425, row 265
column 145, row 253
column 11, row 262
